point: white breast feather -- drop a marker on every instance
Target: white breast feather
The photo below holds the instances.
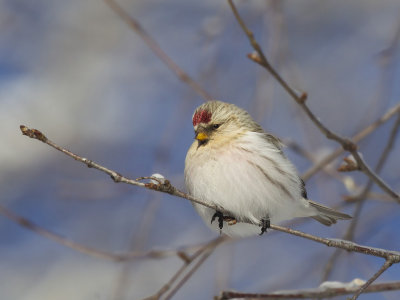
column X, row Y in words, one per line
column 254, row 181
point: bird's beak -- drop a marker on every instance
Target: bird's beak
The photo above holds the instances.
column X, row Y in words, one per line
column 201, row 136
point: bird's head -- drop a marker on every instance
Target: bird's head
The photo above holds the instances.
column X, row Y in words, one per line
column 221, row 122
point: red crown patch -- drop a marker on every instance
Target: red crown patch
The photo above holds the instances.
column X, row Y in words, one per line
column 202, row 116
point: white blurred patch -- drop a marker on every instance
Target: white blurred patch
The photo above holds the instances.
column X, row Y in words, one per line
column 357, row 282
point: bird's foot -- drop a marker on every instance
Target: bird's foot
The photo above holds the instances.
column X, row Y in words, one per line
column 220, row 217
column 265, row 224
column 230, row 220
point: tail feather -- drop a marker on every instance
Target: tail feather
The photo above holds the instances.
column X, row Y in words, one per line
column 327, row 215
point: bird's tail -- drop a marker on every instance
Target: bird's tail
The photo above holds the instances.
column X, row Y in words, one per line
column 326, row 215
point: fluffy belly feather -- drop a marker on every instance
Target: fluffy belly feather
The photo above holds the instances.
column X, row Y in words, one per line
column 249, row 185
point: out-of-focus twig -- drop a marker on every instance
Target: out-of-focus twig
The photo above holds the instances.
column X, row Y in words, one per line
column 311, row 293
column 382, row 159
column 138, row 240
column 166, row 187
column 388, row 148
column 202, row 259
column 203, row 253
column 141, row 234
column 346, row 143
column 297, row 148
column 118, row 257
column 349, row 235
column 356, row 138
column 155, row 47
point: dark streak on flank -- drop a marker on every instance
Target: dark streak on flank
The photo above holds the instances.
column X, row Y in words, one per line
column 274, row 182
column 284, row 173
column 279, row 170
column 303, row 189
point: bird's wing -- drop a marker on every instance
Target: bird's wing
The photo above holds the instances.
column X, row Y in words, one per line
column 274, row 140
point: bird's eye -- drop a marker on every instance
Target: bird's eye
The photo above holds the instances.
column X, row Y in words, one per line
column 215, row 126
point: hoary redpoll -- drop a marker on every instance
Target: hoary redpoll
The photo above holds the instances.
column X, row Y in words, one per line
column 235, row 165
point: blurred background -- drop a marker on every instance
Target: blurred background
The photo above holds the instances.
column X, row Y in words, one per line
column 74, row 70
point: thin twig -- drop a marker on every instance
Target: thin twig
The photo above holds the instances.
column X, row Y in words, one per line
column 202, row 259
column 346, row 143
column 262, row 58
column 138, row 240
column 155, row 47
column 166, row 187
column 388, row 263
column 206, row 250
column 118, row 257
column 166, row 287
column 381, row 162
column 374, row 176
column 356, row 138
column 311, row 293
column 349, row 235
column 342, row 244
column 330, row 264
column 300, row 150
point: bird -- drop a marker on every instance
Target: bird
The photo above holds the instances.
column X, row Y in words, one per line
column 235, row 165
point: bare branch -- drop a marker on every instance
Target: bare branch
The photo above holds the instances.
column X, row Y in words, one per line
column 166, row 187
column 356, row 138
column 363, row 195
column 154, row 46
column 203, row 253
column 312, row 293
column 118, row 257
column 346, row 143
column 388, row 263
column 202, row 259
column 372, row 175
column 342, row 244
column 138, row 240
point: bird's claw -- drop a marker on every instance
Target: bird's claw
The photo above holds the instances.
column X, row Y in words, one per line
column 221, row 218
column 265, row 224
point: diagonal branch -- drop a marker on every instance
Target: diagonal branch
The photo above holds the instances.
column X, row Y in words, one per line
column 356, row 138
column 155, row 47
column 163, row 186
column 118, row 257
column 202, row 259
column 166, row 187
column 203, row 253
column 348, row 145
column 388, row 263
column 363, row 195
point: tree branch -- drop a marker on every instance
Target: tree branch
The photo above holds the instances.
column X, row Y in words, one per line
column 348, row 145
column 388, row 263
column 363, row 195
column 203, row 253
column 356, row 138
column 312, row 293
column 154, row 46
column 118, row 257
column 166, row 187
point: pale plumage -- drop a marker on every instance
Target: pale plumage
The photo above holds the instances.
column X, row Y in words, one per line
column 236, row 165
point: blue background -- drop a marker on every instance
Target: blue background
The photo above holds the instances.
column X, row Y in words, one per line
column 77, row 72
